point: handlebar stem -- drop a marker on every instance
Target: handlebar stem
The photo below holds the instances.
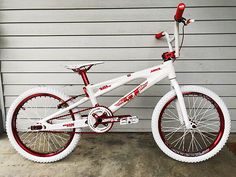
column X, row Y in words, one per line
column 175, row 38
column 167, row 36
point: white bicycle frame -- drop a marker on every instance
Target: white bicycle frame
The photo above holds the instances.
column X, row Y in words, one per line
column 152, row 76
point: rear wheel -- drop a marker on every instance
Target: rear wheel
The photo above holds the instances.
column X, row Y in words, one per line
column 40, row 146
column 209, row 120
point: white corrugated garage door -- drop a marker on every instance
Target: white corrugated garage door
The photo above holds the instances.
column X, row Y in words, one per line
column 37, row 38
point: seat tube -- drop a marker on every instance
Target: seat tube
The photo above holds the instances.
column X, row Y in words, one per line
column 87, row 89
column 90, row 94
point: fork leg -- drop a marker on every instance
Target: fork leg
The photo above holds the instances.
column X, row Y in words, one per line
column 183, row 112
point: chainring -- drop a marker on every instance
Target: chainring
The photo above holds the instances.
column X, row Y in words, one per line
column 95, row 120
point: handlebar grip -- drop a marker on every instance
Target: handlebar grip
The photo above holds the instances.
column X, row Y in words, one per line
column 159, row 35
column 179, row 12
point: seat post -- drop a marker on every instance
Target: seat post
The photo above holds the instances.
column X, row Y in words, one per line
column 83, row 74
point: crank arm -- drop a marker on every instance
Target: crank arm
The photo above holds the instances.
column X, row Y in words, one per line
column 112, row 119
column 123, row 119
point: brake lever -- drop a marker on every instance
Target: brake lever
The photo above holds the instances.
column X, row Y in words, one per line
column 187, row 22
column 190, row 21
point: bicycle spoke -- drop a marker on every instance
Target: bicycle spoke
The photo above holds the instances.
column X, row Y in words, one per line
column 175, row 117
column 172, row 133
column 198, row 107
column 201, row 109
column 44, row 142
column 203, row 114
column 203, row 137
column 178, row 139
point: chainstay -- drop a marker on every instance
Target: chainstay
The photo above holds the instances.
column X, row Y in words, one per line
column 68, row 132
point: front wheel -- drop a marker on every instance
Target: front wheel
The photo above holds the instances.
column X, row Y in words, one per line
column 208, row 116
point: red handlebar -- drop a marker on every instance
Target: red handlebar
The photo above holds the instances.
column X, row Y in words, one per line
column 178, row 17
column 179, row 12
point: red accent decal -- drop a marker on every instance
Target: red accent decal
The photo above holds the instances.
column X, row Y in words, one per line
column 104, row 87
column 156, row 69
column 69, row 125
column 131, row 95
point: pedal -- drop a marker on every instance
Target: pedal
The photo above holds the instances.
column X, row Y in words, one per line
column 129, row 120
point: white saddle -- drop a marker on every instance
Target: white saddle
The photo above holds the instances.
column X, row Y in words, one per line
column 83, row 66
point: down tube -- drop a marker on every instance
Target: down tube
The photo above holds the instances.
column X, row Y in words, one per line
column 137, row 90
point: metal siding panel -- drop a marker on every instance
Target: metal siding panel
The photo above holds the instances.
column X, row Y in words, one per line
column 103, row 54
column 157, row 90
column 71, row 78
column 81, row 4
column 36, row 44
column 117, row 66
column 112, row 28
column 139, row 102
column 113, row 41
column 156, row 14
column 146, row 113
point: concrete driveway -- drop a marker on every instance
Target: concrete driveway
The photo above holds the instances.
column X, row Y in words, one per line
column 116, row 155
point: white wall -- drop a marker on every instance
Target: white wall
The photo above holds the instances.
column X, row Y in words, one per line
column 37, row 38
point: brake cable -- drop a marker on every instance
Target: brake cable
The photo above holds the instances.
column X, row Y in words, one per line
column 182, row 41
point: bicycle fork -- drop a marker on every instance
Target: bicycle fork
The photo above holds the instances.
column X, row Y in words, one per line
column 180, row 105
